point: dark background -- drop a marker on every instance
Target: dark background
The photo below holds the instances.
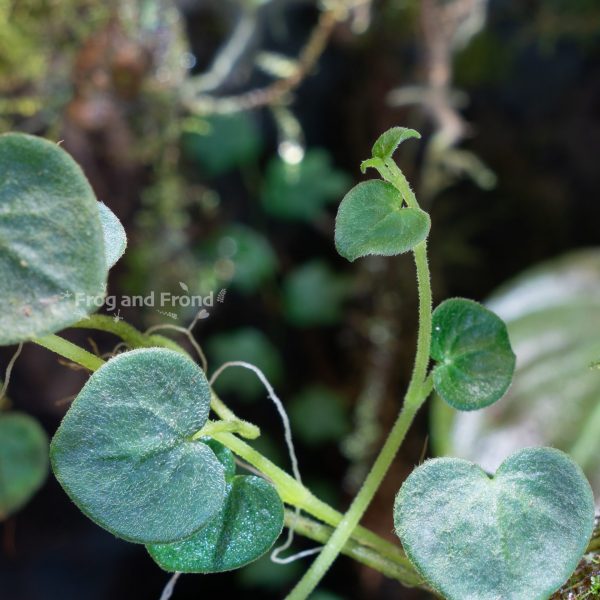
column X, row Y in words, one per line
column 530, row 77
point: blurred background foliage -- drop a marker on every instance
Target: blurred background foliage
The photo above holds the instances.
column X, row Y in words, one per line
column 223, row 135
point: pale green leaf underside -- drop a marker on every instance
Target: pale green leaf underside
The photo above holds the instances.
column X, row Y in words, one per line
column 475, row 359
column 246, row 527
column 124, row 452
column 115, row 239
column 518, row 535
column 51, row 240
column 387, row 142
column 23, row 460
column 371, row 220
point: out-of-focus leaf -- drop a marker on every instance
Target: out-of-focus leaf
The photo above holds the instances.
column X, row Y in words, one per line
column 249, row 345
column 313, row 295
column 318, row 416
column 23, row 460
column 220, row 143
column 552, row 312
column 300, row 192
column 253, row 260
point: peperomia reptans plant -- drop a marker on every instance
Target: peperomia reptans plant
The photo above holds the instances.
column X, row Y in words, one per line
column 141, row 455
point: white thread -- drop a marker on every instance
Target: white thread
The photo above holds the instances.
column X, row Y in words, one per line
column 187, row 331
column 9, row 369
column 287, row 430
column 297, row 556
column 170, row 587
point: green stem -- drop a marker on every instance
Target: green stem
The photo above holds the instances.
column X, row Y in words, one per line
column 294, row 493
column 318, row 532
column 129, row 334
column 211, row 428
column 349, row 522
column 71, row 351
column 392, row 173
column 290, row 489
column 418, row 390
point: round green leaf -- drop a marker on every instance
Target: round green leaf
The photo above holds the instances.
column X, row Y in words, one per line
column 301, row 191
column 313, row 295
column 517, row 535
column 254, row 260
column 371, row 220
column 387, row 142
column 221, row 142
column 115, row 239
column 552, row 312
column 475, row 360
column 247, row 525
column 124, row 452
column 23, row 460
column 51, row 241
column 318, row 416
column 224, row 455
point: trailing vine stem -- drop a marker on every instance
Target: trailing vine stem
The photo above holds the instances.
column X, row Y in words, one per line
column 290, row 490
column 363, row 546
column 419, row 388
column 318, row 532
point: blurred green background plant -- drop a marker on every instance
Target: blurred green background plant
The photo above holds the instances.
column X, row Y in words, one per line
column 223, row 135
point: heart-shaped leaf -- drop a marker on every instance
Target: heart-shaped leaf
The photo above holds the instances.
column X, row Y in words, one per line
column 387, row 142
column 371, row 220
column 51, row 240
column 246, row 527
column 554, row 330
column 115, row 239
column 124, row 452
column 23, row 460
column 517, row 535
column 475, row 360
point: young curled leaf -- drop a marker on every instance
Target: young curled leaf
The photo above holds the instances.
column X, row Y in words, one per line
column 247, row 525
column 371, row 220
column 371, row 163
column 124, row 452
column 475, row 359
column 387, row 142
column 517, row 535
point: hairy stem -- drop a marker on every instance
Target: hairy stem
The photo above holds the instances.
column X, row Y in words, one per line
column 291, row 491
column 368, row 556
column 129, row 334
column 70, row 351
column 211, row 428
column 418, row 389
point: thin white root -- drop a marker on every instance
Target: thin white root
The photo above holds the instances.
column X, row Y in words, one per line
column 188, row 334
column 170, row 587
column 275, row 555
column 9, row 369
